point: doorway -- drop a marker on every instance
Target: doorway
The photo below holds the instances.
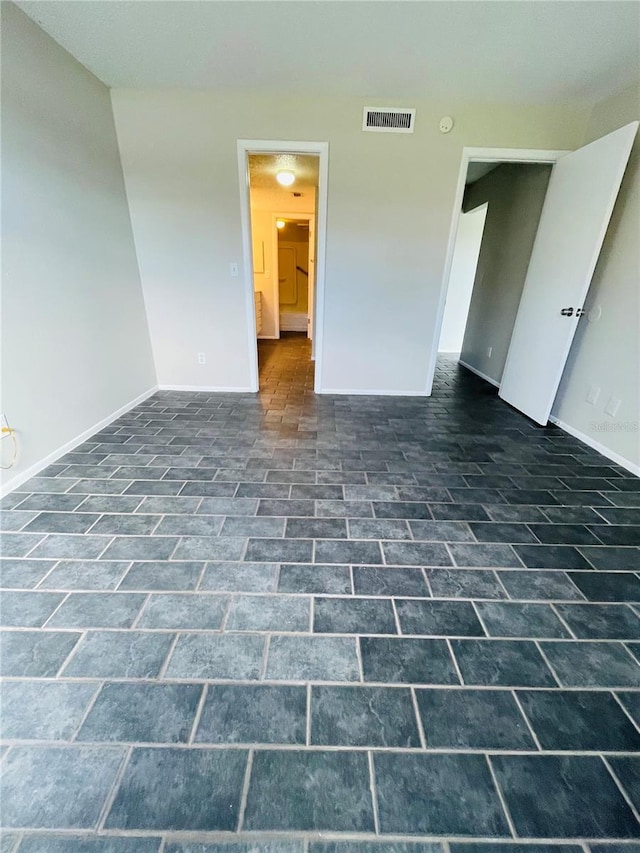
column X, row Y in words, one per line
column 294, row 272
column 462, row 266
column 497, row 227
column 283, row 183
column 570, row 230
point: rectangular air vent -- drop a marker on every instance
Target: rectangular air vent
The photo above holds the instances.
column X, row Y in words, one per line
column 388, row 120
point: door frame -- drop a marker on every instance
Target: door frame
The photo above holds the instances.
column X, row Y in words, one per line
column 309, row 217
column 271, row 146
column 475, row 155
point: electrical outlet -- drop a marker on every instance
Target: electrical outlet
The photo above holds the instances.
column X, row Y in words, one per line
column 592, row 396
column 612, row 407
column 489, row 351
column 202, row 358
column 233, row 269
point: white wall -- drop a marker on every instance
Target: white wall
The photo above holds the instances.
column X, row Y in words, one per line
column 606, row 353
column 515, row 193
column 461, row 279
column 390, row 205
column 75, row 343
column 265, row 204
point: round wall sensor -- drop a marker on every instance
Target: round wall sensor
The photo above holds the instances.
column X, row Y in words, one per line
column 594, row 314
column 446, row 123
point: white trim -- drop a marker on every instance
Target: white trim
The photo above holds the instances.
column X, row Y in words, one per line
column 247, row 256
column 601, row 448
column 270, row 146
column 209, row 389
column 470, row 155
column 35, row 469
column 371, row 392
column 479, row 373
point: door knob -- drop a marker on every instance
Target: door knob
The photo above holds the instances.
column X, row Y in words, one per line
column 567, row 312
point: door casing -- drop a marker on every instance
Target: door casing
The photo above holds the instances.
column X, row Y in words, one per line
column 474, row 155
column 270, row 146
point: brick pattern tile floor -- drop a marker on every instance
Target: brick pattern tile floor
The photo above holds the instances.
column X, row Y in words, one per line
column 290, row 623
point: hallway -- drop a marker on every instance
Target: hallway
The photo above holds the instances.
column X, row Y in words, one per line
column 296, row 620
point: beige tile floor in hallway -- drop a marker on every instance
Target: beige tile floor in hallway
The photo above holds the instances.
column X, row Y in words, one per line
column 289, row 623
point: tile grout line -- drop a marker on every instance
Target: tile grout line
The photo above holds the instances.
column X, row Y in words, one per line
column 265, row 658
column 87, row 711
column 200, row 577
column 536, row 643
column 198, row 715
column 226, row 613
column 67, row 659
column 396, row 617
column 245, row 791
column 361, row 678
column 113, row 791
column 627, row 713
column 372, row 789
column 167, row 660
column 480, row 619
column 308, row 716
column 455, row 661
column 620, row 787
column 39, row 586
column 312, row 612
column 563, row 621
column 140, row 612
column 425, row 575
column 529, row 725
column 501, row 797
column 416, row 711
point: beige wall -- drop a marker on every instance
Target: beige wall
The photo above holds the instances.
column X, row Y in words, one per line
column 265, row 204
column 606, row 353
column 390, row 205
column 515, row 194
column 75, row 341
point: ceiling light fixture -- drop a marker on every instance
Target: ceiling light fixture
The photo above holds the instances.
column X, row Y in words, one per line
column 285, row 178
column 280, row 223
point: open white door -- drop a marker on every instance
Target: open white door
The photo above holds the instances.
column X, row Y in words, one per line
column 312, row 278
column 576, row 212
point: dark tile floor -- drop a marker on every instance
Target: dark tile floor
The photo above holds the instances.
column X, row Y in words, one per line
column 296, row 624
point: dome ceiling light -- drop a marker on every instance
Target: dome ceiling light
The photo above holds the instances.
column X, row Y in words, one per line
column 285, row 178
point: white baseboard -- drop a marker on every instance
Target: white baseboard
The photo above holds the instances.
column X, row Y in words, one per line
column 268, row 337
column 601, row 448
column 35, row 469
column 479, row 373
column 369, row 392
column 209, row 389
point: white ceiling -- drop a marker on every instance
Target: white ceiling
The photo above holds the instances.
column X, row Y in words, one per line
column 264, row 167
column 546, row 51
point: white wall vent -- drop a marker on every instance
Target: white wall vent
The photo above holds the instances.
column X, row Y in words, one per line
column 388, row 119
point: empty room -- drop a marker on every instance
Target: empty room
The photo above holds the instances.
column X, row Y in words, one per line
column 281, row 574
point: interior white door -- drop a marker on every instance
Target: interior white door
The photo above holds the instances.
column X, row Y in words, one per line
column 312, row 279
column 576, row 212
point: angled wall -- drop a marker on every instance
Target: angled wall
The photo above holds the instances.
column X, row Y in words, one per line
column 75, row 341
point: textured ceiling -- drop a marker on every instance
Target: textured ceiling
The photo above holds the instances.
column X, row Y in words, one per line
column 547, row 51
column 263, row 169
